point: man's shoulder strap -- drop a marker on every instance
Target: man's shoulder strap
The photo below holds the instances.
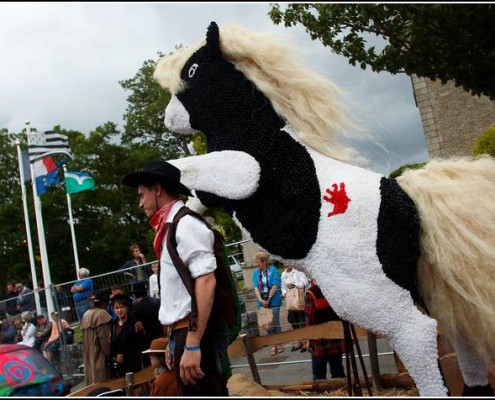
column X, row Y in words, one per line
column 184, row 210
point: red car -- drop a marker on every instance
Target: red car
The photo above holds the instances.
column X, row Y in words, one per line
column 25, row 372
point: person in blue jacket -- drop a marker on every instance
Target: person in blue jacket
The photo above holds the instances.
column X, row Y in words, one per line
column 81, row 292
column 267, row 283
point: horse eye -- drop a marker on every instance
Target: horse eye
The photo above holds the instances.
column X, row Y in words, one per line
column 192, row 70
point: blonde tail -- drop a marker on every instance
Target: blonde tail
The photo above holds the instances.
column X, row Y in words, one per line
column 456, row 273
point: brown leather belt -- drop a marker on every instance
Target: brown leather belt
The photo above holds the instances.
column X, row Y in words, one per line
column 180, row 324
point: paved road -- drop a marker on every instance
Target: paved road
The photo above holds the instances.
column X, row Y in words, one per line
column 295, row 367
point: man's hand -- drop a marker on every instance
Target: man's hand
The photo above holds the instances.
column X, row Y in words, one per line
column 190, row 369
column 138, row 327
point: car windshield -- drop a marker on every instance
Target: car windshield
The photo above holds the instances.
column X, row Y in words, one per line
column 25, row 372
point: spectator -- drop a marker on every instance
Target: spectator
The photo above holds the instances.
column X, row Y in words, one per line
column 25, row 299
column 28, row 329
column 145, row 310
column 266, row 283
column 51, row 346
column 135, row 273
column 153, row 281
column 96, row 329
column 125, row 338
column 81, row 291
column 8, row 333
column 291, row 279
column 164, row 383
column 18, row 328
column 43, row 331
column 114, row 290
column 323, row 351
column 11, row 298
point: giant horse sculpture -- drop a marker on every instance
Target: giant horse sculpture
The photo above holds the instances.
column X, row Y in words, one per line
column 378, row 247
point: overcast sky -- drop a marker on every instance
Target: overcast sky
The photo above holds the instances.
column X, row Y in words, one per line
column 62, row 63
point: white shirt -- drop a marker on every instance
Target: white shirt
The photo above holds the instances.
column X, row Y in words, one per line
column 28, row 333
column 153, row 284
column 294, row 277
column 195, row 247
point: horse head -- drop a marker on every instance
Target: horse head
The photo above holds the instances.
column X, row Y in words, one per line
column 216, row 94
column 218, row 100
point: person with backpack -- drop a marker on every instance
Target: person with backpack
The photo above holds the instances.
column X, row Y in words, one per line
column 198, row 338
column 317, row 310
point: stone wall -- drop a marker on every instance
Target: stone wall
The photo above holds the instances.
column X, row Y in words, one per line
column 452, row 118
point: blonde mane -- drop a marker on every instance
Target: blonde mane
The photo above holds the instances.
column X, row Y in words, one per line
column 305, row 100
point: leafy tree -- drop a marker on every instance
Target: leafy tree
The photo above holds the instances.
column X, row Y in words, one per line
column 485, row 144
column 145, row 114
column 107, row 220
column 449, row 42
column 399, row 171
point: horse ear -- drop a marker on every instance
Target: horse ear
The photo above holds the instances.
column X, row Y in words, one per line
column 213, row 40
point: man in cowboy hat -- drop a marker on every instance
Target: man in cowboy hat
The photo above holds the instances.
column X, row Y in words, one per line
column 197, row 352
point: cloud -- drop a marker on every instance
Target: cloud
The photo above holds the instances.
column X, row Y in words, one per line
column 62, row 63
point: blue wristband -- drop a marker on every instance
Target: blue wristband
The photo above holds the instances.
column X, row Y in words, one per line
column 192, row 348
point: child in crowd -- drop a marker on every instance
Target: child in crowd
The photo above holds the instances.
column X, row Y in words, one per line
column 164, row 383
column 153, row 282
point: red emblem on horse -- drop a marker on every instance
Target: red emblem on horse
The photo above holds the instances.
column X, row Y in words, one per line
column 338, row 197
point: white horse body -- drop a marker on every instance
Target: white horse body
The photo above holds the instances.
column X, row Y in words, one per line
column 343, row 259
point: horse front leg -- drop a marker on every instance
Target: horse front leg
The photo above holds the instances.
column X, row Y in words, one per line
column 414, row 339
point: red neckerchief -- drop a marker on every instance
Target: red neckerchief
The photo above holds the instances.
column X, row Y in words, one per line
column 157, row 222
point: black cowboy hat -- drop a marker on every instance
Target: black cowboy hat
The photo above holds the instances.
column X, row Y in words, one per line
column 161, row 172
column 101, row 297
column 139, row 289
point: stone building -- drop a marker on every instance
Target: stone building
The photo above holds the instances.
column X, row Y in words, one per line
column 452, row 118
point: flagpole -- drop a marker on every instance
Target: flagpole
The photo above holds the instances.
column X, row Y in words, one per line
column 71, row 223
column 41, row 233
column 28, row 228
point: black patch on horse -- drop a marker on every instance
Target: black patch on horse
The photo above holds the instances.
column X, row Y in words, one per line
column 397, row 244
column 283, row 214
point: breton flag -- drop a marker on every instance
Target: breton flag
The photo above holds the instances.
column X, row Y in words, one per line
column 78, row 181
column 43, row 144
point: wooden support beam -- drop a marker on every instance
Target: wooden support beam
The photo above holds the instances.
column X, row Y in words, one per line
column 327, row 330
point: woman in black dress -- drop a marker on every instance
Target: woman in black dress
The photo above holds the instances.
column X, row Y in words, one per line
column 127, row 334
